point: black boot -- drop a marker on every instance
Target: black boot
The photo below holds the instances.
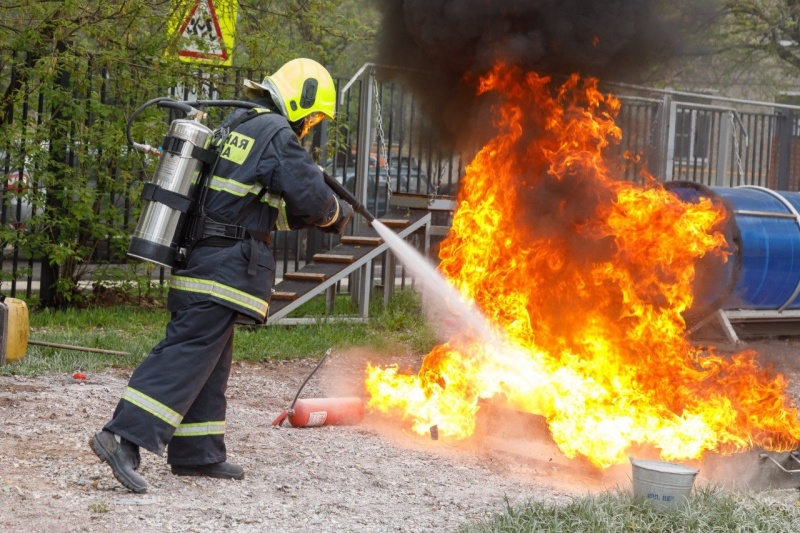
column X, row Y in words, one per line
column 221, row 470
column 123, row 458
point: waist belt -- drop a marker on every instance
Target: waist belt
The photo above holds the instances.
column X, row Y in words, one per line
column 221, row 234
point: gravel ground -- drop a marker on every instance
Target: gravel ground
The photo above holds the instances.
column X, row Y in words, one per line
column 368, row 477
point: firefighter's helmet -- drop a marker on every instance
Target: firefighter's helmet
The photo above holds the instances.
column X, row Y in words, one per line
column 302, row 87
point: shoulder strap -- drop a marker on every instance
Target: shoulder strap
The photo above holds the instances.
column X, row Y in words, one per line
column 222, row 132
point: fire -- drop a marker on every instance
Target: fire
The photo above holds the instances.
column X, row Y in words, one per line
column 583, row 278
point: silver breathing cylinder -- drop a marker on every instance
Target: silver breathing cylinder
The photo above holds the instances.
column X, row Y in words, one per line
column 168, row 196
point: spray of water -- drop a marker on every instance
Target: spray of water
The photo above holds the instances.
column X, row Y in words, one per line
column 442, row 301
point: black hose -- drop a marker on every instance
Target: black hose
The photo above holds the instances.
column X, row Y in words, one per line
column 137, row 113
column 190, row 108
column 163, row 101
column 291, row 407
column 226, row 103
column 347, row 196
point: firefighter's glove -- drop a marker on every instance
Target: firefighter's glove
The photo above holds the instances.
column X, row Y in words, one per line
column 337, row 225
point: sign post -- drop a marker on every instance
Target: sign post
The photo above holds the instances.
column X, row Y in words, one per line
column 204, row 31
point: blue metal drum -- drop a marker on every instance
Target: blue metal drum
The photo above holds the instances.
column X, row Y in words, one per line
column 764, row 232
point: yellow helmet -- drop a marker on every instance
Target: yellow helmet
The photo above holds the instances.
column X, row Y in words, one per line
column 300, row 88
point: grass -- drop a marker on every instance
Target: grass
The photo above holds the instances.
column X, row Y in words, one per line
column 398, row 327
column 711, row 509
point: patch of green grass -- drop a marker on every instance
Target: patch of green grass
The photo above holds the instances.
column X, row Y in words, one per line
column 405, row 319
column 711, row 509
column 398, row 327
column 343, row 305
column 99, row 508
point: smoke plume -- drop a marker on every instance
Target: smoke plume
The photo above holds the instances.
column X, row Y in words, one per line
column 443, row 45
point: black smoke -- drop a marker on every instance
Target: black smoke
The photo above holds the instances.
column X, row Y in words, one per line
column 441, row 46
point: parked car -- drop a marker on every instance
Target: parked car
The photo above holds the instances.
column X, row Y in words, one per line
column 408, row 176
column 18, row 207
column 377, row 189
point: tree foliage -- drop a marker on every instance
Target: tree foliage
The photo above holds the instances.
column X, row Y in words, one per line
column 751, row 50
column 73, row 71
column 769, row 27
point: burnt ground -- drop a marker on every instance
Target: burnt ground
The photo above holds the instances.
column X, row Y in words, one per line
column 368, row 477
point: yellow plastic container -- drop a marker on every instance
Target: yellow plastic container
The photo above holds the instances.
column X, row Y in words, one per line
column 14, row 325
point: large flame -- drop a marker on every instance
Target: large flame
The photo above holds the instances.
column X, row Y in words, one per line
column 585, row 278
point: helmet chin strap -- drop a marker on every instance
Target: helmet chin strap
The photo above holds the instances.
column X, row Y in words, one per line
column 299, row 127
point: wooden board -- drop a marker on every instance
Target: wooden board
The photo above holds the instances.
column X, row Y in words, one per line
column 356, row 239
column 334, row 258
column 281, row 295
column 395, row 222
column 306, row 276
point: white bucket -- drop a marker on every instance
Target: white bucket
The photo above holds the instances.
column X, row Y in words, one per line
column 664, row 484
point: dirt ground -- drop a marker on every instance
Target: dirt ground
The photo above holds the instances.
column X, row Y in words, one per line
column 368, row 477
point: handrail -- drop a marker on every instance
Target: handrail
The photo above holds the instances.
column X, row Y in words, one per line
column 360, row 71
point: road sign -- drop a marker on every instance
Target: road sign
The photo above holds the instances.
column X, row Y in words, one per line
column 204, row 31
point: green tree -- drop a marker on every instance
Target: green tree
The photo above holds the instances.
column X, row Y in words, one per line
column 768, row 28
column 752, row 49
column 73, row 71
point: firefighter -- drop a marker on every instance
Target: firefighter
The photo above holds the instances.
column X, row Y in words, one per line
column 263, row 179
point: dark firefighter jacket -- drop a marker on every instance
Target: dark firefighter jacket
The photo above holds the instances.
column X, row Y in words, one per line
column 260, row 152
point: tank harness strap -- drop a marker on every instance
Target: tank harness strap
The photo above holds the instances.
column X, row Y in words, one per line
column 172, row 199
column 174, row 145
column 209, row 157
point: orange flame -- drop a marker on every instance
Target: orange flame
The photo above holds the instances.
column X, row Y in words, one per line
column 585, row 278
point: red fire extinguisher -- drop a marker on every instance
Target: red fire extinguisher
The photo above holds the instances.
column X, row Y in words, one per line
column 314, row 412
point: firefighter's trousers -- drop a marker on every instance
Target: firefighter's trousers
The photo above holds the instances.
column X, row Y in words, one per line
column 177, row 395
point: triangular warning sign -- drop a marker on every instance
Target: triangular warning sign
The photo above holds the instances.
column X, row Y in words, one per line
column 201, row 33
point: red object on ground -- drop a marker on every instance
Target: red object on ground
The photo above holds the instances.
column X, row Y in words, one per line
column 79, row 375
column 314, row 412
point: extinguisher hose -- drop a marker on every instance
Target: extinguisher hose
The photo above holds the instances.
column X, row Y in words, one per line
column 190, row 110
column 162, row 101
column 226, row 103
column 291, row 407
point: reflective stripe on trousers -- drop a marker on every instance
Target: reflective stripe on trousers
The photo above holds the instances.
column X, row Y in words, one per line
column 172, row 418
column 224, row 292
column 199, row 429
column 152, row 406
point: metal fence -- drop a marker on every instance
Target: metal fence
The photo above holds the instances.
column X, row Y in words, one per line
column 380, row 144
column 713, row 140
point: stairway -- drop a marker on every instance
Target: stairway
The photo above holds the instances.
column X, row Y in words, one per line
column 353, row 255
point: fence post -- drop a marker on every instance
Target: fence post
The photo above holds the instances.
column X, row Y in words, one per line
column 314, row 236
column 361, row 280
column 54, row 203
column 661, row 127
column 784, row 130
column 364, row 142
column 722, row 178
